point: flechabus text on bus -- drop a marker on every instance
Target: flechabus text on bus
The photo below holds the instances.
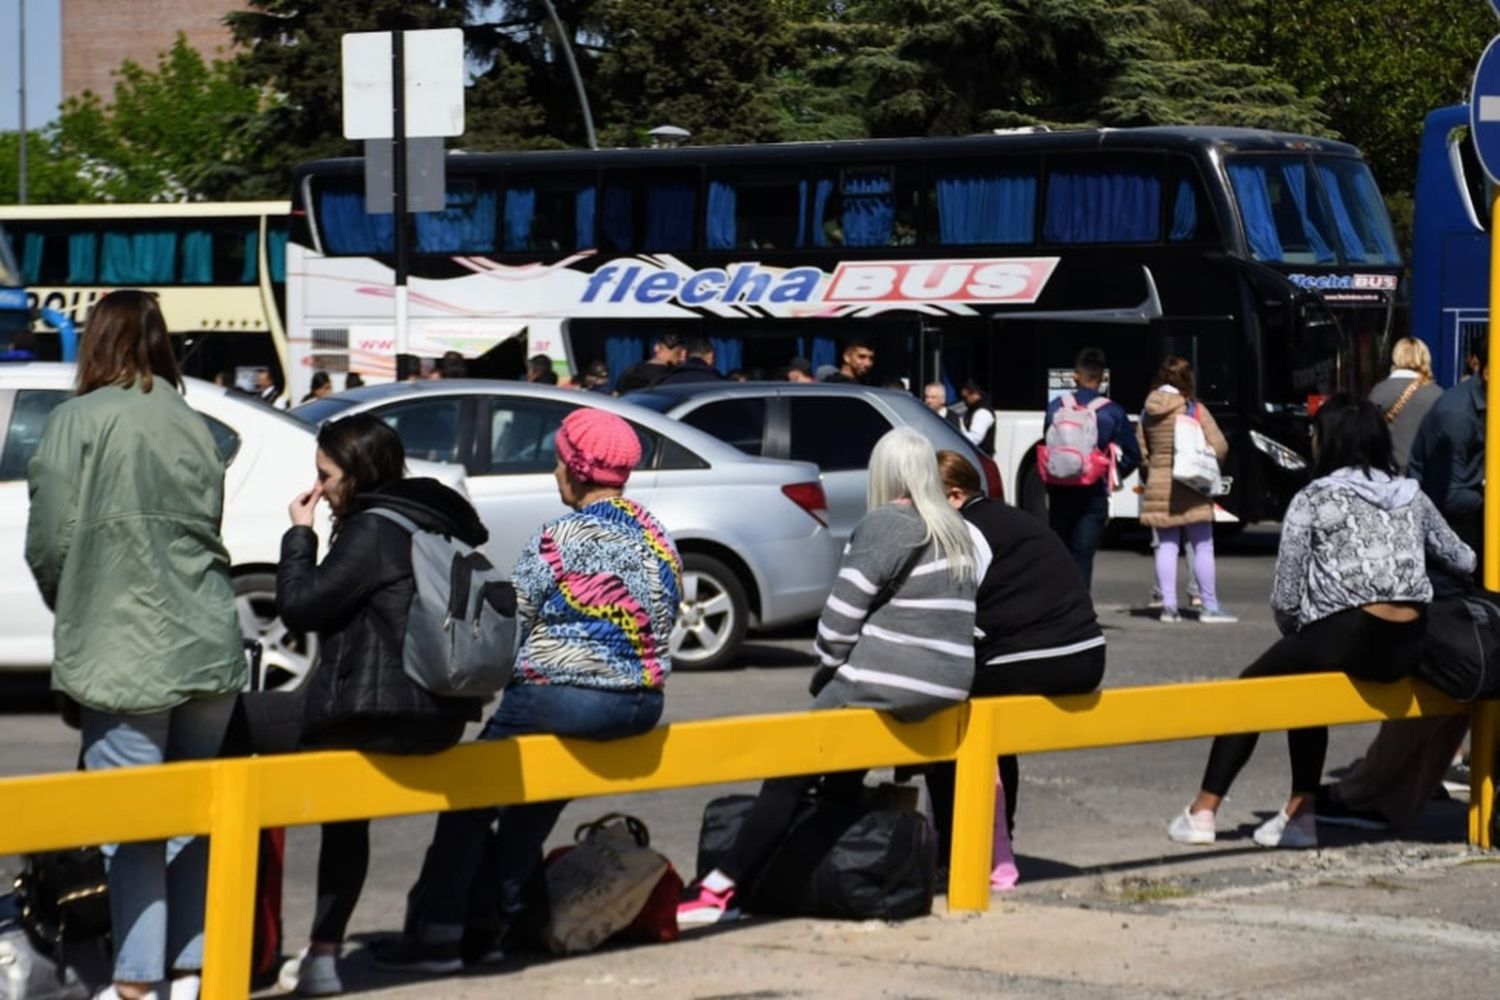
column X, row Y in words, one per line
column 1009, row 280
column 1345, row 282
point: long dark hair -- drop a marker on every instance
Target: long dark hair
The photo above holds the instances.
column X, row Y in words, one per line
column 124, row 342
column 366, row 450
column 1350, row 432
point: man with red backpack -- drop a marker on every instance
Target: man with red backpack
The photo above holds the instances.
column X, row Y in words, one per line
column 1088, row 448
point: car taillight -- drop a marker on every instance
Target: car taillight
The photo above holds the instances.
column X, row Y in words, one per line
column 810, row 497
column 992, row 484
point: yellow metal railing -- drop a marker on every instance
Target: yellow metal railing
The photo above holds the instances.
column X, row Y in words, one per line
column 232, row 800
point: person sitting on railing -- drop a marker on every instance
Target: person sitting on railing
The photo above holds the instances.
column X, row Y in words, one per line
column 359, row 696
column 896, row 634
column 1038, row 633
column 1349, row 594
column 597, row 592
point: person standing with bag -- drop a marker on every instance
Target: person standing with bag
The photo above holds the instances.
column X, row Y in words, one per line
column 357, row 599
column 897, row 634
column 1179, row 512
column 1406, row 395
column 127, row 494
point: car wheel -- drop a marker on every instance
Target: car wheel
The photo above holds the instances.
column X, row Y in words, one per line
column 286, row 656
column 1032, row 495
column 712, row 617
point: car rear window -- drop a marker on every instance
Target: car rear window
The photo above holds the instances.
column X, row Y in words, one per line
column 834, row 432
column 740, row 422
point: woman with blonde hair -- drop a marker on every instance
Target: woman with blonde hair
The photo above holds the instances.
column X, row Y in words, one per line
column 897, row 634
column 1406, row 395
column 1180, row 514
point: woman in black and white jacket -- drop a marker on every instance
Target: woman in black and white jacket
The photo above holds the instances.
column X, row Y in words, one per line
column 1350, row 591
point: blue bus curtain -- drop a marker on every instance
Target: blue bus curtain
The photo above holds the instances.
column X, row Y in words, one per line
column 1377, row 246
column 348, row 229
column 1295, row 176
column 520, row 209
column 986, row 208
column 1254, row 196
column 466, row 225
column 720, row 223
column 1184, row 213
column 197, row 257
column 669, row 216
column 1102, row 206
column 869, row 208
column 824, row 351
column 32, row 246
column 138, row 258
column 83, row 259
column 729, row 353
column 622, row 352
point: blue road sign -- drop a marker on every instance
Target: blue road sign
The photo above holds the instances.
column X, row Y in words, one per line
column 1484, row 108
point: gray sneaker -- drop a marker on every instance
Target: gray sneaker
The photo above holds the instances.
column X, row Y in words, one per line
column 316, row 976
column 1169, row 616
column 1217, row 616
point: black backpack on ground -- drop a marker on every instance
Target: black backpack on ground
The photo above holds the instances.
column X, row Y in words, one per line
column 847, row 860
column 1461, row 652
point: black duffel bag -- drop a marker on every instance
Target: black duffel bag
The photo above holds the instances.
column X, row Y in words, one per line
column 848, row 860
column 1461, row 653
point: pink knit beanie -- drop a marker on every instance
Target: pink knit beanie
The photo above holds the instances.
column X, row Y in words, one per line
column 598, row 447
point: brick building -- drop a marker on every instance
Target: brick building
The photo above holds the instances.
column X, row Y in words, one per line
column 98, row 35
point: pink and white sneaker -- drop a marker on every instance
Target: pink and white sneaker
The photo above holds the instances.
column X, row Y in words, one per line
column 710, row 901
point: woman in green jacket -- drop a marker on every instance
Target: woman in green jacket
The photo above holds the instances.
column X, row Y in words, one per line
column 127, row 490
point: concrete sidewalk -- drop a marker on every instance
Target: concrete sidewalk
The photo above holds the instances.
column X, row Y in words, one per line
column 1374, row 920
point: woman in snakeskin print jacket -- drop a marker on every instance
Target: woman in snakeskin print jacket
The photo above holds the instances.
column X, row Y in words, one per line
column 1350, row 591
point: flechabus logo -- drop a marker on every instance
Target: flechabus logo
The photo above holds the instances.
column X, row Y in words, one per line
column 1345, row 282
column 988, row 280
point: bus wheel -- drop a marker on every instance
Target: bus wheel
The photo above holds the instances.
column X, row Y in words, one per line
column 1032, row 495
column 712, row 617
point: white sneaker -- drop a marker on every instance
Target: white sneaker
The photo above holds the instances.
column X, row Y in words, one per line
column 185, row 987
column 1216, row 616
column 1283, row 831
column 1192, row 828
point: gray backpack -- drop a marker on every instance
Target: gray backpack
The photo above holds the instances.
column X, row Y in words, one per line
column 461, row 628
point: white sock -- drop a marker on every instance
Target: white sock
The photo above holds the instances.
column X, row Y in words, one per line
column 717, row 882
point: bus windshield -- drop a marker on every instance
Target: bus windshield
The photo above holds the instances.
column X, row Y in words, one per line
column 1320, row 211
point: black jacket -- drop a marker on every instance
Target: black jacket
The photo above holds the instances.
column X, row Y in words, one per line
column 1447, row 457
column 691, row 370
column 642, row 376
column 357, row 601
column 1032, row 599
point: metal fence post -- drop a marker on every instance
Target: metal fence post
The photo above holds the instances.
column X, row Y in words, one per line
column 233, row 852
column 973, row 811
column 1484, row 740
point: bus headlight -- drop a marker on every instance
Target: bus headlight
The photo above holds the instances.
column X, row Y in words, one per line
column 1278, row 452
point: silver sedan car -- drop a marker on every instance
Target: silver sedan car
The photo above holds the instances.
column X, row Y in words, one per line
column 834, row 426
column 753, row 533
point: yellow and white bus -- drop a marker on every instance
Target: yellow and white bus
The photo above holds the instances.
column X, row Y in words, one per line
column 218, row 268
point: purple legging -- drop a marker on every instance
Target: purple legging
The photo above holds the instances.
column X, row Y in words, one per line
column 1201, row 538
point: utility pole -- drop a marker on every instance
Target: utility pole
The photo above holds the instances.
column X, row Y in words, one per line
column 566, row 41
column 21, row 63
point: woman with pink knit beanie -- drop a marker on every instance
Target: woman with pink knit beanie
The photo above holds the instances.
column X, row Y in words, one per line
column 597, row 593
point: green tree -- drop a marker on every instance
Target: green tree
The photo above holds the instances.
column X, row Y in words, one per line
column 169, row 134
column 50, row 179
column 1375, row 68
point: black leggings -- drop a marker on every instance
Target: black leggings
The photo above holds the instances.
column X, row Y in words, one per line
column 1351, row 642
column 1077, row 673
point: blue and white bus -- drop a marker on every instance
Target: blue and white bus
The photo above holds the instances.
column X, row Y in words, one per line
column 15, row 312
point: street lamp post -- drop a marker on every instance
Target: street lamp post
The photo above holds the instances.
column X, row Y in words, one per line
column 21, row 64
column 567, row 50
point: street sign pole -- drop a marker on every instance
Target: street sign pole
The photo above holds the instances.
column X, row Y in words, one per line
column 398, row 171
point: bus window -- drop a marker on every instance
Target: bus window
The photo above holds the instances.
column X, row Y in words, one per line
column 978, row 203
column 1119, row 203
column 1284, row 219
column 654, row 214
column 866, row 206
column 54, row 257
column 465, row 225
column 549, row 213
column 345, row 228
column 141, row 257
column 757, row 211
column 1359, row 215
column 1191, row 218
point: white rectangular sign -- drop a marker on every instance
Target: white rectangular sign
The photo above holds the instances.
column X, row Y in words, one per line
column 434, row 90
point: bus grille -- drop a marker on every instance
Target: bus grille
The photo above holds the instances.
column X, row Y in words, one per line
column 330, row 349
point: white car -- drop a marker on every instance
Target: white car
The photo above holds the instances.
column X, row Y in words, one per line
column 269, row 457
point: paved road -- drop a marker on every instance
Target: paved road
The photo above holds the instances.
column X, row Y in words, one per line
column 1090, row 818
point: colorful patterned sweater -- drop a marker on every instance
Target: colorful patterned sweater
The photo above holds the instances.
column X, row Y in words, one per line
column 597, row 593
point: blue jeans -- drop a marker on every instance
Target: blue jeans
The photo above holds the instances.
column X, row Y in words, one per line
column 438, row 904
column 1077, row 514
column 156, row 890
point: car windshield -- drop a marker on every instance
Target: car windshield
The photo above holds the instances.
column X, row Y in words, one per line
column 320, row 411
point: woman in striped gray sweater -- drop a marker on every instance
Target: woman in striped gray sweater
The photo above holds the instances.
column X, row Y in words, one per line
column 897, row 634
